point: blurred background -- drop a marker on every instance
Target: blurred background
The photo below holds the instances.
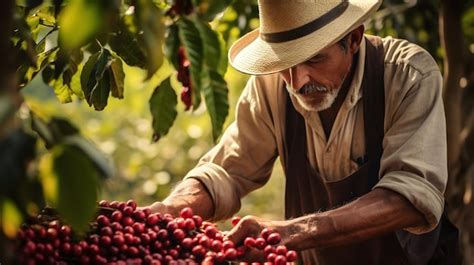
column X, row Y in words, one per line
column 121, row 138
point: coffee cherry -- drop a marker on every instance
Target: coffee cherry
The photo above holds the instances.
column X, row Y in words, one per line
column 228, row 244
column 51, row 233
column 268, row 249
column 65, row 231
column 179, row 234
column 128, row 211
column 260, row 243
column 132, row 204
column 273, row 239
column 249, row 242
column 265, row 233
column 230, row 254
column 197, row 220
column 127, row 221
column 198, row 251
column 281, row 250
column 210, row 231
column 152, row 220
column 118, row 240
column 271, row 257
column 105, row 241
column 129, row 235
column 186, row 212
column 103, row 220
column 280, row 260
column 291, row 256
column 139, row 228
column 235, row 220
column 139, row 215
column 205, row 242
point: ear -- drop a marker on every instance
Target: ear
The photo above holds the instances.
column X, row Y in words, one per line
column 355, row 38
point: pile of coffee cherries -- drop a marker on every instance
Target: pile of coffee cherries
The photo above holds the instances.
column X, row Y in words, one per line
column 125, row 234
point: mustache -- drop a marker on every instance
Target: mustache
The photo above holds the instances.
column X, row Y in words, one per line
column 312, row 87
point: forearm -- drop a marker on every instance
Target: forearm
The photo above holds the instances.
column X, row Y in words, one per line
column 376, row 213
column 188, row 193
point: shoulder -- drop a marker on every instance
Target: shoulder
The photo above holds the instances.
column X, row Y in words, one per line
column 408, row 56
column 263, row 91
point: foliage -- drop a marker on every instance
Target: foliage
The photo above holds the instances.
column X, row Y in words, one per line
column 79, row 48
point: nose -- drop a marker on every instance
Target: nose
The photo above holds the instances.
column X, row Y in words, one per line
column 298, row 76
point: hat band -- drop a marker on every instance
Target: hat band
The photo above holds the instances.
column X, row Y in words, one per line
column 307, row 28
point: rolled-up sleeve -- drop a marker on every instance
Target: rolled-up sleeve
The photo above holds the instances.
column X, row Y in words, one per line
column 243, row 159
column 414, row 161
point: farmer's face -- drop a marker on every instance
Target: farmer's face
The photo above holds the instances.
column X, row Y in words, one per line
column 316, row 82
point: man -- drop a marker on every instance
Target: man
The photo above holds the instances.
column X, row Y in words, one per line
column 358, row 124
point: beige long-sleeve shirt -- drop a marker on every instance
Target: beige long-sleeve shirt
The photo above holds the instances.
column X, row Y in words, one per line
column 413, row 163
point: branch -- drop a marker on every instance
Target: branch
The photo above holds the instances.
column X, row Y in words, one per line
column 452, row 41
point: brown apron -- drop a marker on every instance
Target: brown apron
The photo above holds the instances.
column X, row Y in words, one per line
column 306, row 192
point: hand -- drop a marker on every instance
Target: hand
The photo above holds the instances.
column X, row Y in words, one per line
column 251, row 226
column 161, row 207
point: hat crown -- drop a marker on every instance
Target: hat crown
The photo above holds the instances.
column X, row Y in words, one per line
column 283, row 15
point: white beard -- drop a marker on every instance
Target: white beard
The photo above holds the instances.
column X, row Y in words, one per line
column 326, row 103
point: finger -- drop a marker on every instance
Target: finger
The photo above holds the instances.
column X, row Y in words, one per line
column 244, row 228
column 158, row 207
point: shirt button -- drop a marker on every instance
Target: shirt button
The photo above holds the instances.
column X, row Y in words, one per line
column 329, row 150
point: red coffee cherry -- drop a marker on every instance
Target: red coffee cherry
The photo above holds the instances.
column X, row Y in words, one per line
column 273, row 239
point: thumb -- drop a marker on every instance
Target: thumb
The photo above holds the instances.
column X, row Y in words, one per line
column 244, row 228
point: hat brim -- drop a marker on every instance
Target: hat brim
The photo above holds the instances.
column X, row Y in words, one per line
column 252, row 55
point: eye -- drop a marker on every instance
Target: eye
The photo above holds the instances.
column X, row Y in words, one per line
column 316, row 59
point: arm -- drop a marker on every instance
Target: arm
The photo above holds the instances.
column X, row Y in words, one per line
column 376, row 213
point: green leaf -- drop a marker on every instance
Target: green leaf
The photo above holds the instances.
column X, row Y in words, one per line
column 126, row 45
column 100, row 93
column 62, row 128
column 163, row 103
column 117, row 77
column 222, row 68
column 10, row 217
column 208, row 9
column 215, row 92
column 87, row 73
column 79, row 22
column 62, row 91
column 172, row 45
column 102, row 163
column 151, row 24
column 212, row 51
column 75, row 84
column 73, row 185
column 189, row 36
column 96, row 84
column 75, row 57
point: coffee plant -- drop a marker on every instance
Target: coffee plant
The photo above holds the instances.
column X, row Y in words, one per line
column 125, row 234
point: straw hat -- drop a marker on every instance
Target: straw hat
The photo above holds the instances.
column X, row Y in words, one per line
column 292, row 31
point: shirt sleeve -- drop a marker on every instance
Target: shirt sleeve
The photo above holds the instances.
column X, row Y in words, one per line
column 414, row 161
column 243, row 159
